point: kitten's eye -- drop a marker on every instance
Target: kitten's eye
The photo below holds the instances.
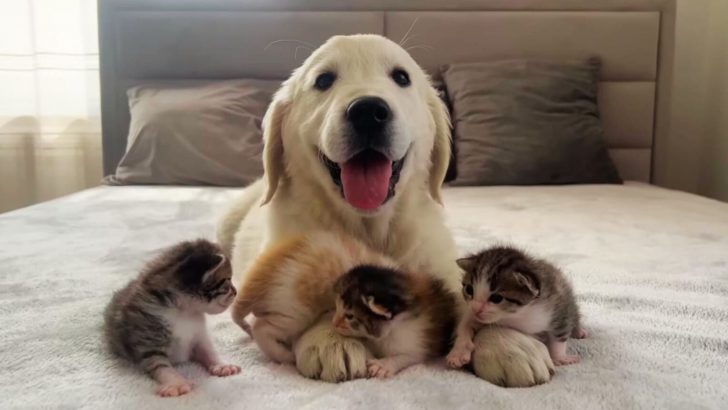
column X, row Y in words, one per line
column 495, row 298
column 324, row 81
column 400, row 77
column 348, row 316
column 468, row 288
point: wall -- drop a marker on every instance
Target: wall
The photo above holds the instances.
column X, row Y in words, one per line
column 698, row 144
column 713, row 180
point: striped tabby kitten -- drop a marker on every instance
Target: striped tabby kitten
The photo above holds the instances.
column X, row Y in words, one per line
column 404, row 318
column 503, row 285
column 158, row 319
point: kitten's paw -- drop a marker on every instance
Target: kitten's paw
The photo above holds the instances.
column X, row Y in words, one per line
column 175, row 389
column 223, row 370
column 566, row 360
column 379, row 369
column 580, row 334
column 459, row 357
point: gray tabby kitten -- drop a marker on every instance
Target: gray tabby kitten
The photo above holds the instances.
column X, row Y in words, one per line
column 503, row 285
column 158, row 319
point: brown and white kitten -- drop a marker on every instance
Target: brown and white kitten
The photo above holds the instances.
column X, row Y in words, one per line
column 158, row 319
column 405, row 318
column 291, row 285
column 503, row 285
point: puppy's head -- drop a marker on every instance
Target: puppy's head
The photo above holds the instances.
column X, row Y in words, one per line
column 361, row 120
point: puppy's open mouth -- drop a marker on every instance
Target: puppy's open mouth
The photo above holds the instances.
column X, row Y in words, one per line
column 367, row 180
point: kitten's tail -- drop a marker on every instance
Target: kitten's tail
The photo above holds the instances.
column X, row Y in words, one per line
column 241, row 309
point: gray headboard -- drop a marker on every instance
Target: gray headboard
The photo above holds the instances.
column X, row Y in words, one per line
column 142, row 40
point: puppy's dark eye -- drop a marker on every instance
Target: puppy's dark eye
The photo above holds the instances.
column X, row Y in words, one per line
column 496, row 298
column 324, row 81
column 468, row 289
column 348, row 316
column 400, row 77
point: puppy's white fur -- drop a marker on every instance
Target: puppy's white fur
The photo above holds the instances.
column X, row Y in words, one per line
column 299, row 195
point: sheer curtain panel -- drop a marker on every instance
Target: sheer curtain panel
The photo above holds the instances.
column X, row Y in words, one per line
column 50, row 138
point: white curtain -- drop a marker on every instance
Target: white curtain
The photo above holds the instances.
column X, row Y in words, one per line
column 50, row 141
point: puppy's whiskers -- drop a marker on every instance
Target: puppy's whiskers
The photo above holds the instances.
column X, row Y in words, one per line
column 295, row 53
column 419, row 46
column 404, row 40
column 300, row 43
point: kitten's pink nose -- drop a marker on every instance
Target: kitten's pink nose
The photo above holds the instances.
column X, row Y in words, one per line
column 478, row 307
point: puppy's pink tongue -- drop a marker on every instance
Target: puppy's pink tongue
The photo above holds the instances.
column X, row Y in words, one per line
column 365, row 179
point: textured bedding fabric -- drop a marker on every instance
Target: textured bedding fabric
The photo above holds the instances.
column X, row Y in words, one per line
column 650, row 267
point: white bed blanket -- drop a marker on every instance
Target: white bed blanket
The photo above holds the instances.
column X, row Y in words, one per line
column 650, row 267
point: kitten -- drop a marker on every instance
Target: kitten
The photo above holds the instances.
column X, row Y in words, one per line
column 291, row 285
column 505, row 286
column 158, row 319
column 405, row 318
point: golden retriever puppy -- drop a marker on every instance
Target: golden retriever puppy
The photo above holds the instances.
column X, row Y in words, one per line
column 357, row 141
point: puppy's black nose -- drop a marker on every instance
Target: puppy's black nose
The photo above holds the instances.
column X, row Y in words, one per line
column 368, row 115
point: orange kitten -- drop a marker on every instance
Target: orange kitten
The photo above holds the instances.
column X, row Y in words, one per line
column 289, row 286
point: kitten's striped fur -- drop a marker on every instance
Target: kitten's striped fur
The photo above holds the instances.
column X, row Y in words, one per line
column 158, row 318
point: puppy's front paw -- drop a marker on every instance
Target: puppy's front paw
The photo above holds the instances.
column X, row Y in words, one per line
column 174, row 389
column 508, row 358
column 379, row 369
column 459, row 357
column 223, row 370
column 321, row 353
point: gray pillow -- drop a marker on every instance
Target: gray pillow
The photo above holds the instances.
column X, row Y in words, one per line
column 520, row 122
column 195, row 133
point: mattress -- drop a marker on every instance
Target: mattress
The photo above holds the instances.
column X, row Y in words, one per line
column 649, row 265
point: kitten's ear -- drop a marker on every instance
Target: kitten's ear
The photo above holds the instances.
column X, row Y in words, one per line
column 376, row 308
column 467, row 264
column 530, row 281
column 221, row 260
column 197, row 268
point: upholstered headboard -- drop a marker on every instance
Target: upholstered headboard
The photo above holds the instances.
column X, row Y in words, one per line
column 143, row 40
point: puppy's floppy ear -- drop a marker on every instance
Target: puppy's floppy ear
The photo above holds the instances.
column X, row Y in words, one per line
column 440, row 157
column 273, row 162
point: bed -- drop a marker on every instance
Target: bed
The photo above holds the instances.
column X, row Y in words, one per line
column 650, row 265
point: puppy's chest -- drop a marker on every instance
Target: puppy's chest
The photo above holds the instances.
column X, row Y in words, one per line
column 531, row 319
column 186, row 331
